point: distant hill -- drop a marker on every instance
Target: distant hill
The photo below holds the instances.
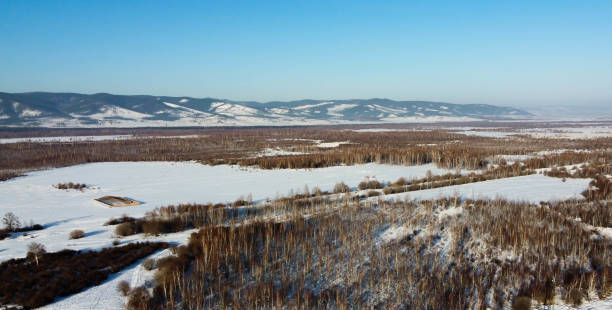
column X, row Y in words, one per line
column 105, row 110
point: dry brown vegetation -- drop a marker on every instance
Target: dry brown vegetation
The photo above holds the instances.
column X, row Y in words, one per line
column 240, row 145
column 77, row 234
column 318, row 253
column 6, row 175
column 71, row 185
column 316, row 250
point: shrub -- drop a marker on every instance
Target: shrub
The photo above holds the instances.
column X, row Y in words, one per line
column 362, row 185
column 123, row 219
column 125, row 229
column 401, row 182
column 71, row 185
column 6, row 175
column 373, row 184
column 575, row 297
column 521, row 303
column 140, row 299
column 116, row 242
column 341, row 188
column 123, row 288
column 77, row 234
column 149, row 264
column 240, row 202
column 545, row 292
column 373, row 193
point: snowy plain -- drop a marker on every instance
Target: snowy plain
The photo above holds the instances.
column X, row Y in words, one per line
column 583, row 132
column 87, row 138
column 33, row 197
column 65, row 139
column 531, row 188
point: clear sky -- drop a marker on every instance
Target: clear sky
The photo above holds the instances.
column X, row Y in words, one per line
column 513, row 53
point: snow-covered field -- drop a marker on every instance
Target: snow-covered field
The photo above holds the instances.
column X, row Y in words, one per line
column 331, row 144
column 488, row 134
column 277, row 152
column 532, row 188
column 584, row 132
column 33, row 197
column 66, row 139
column 587, row 132
column 86, row 138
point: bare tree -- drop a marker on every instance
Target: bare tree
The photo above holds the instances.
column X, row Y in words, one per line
column 11, row 221
column 36, row 249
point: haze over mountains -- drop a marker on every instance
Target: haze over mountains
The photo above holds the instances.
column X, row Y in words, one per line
column 107, row 110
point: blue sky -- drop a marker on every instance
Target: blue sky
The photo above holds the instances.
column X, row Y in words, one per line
column 516, row 53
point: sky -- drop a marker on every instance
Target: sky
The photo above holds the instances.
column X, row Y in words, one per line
column 519, row 53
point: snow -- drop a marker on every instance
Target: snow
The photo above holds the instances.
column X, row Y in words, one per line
column 532, row 188
column 586, row 132
column 172, row 105
column 560, row 151
column 338, row 108
column 227, row 115
column 605, row 231
column 331, row 144
column 385, row 109
column 113, row 111
column 308, row 106
column 230, row 109
column 30, row 113
column 450, row 212
column 515, row 157
column 215, row 105
column 394, row 233
column 587, row 305
column 66, row 139
column 33, row 196
column 384, row 130
column 279, row 111
column 490, row 134
column 428, row 119
column 277, row 152
column 87, row 138
column 184, row 111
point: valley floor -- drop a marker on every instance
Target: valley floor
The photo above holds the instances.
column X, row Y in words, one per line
column 401, row 220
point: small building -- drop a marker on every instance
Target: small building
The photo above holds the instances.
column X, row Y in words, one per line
column 115, row 201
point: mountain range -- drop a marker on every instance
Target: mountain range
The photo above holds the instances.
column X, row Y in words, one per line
column 44, row 109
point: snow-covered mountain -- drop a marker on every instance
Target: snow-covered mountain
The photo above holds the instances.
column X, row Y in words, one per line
column 106, row 110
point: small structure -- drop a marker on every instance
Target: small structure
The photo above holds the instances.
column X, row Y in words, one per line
column 115, row 201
